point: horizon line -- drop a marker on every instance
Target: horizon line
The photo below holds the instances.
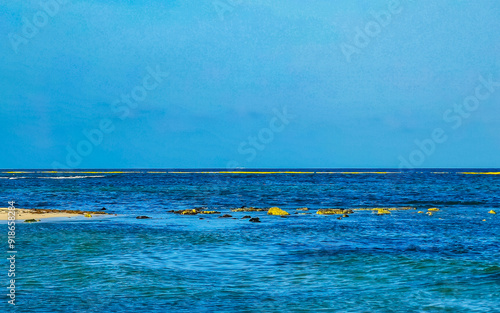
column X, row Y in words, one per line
column 242, row 169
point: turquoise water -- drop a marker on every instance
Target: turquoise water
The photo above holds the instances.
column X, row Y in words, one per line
column 402, row 262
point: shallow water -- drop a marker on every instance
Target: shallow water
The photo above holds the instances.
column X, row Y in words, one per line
column 403, row 262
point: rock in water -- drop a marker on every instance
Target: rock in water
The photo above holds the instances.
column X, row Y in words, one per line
column 142, row 217
column 188, row 212
column 246, row 216
column 245, row 209
column 383, row 212
column 225, row 216
column 31, row 221
column 492, row 212
column 254, row 220
column 433, row 209
column 334, row 211
column 390, row 209
column 277, row 211
column 302, row 209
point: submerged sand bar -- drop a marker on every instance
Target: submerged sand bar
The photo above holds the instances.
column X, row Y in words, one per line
column 38, row 214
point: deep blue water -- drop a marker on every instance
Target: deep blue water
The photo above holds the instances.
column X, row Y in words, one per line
column 402, row 262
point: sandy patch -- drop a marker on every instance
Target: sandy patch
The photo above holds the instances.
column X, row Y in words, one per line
column 39, row 214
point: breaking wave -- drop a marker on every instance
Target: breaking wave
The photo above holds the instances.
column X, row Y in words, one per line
column 71, row 177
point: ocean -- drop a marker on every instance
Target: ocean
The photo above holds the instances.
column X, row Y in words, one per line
column 404, row 261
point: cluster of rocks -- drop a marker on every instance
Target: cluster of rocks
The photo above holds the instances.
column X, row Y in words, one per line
column 300, row 211
column 388, row 209
column 280, row 212
column 251, row 219
column 194, row 211
column 334, row 211
column 271, row 211
column 245, row 209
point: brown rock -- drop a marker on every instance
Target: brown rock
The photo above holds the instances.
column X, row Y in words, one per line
column 334, row 211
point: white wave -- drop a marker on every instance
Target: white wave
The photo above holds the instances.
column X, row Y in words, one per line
column 16, row 177
column 71, row 177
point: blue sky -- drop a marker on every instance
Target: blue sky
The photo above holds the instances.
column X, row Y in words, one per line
column 232, row 67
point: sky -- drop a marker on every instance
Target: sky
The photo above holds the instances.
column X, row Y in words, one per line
column 249, row 84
